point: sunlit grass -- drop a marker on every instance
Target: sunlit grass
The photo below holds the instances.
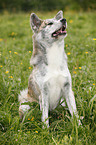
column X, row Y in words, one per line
column 15, row 54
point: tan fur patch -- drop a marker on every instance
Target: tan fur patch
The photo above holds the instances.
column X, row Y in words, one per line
column 33, row 90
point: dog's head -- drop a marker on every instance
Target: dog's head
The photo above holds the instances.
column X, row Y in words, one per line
column 49, row 29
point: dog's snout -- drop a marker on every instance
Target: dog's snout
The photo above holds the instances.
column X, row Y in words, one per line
column 63, row 20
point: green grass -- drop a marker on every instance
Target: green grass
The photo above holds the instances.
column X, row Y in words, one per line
column 15, row 47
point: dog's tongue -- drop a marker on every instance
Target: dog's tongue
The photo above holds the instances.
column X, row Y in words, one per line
column 55, row 34
column 59, row 32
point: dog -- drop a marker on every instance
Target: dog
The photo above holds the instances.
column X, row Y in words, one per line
column 50, row 80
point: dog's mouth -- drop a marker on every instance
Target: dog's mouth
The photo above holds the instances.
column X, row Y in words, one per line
column 61, row 31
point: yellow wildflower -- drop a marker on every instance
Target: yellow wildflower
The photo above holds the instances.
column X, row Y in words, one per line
column 32, row 118
column 86, row 52
column 7, row 72
column 13, row 38
column 15, row 52
column 75, row 67
column 93, row 84
column 1, row 66
column 10, row 77
column 1, row 39
column 29, row 51
column 71, row 21
column 74, row 72
column 94, row 38
column 21, row 62
column 36, row 131
column 68, row 53
column 9, row 51
column 79, row 67
column 28, row 118
column 12, row 33
column 29, row 67
column 66, row 45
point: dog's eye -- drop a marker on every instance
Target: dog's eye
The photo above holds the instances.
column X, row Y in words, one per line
column 50, row 23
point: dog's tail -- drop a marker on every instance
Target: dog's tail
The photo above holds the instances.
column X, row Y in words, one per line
column 23, row 99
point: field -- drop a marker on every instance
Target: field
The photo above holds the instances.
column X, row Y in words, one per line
column 15, row 54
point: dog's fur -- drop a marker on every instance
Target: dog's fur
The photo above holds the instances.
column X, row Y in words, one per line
column 50, row 80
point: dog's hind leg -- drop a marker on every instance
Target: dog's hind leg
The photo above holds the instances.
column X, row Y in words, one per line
column 23, row 99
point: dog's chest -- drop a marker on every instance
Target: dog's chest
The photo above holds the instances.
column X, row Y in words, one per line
column 57, row 73
column 57, row 62
column 55, row 58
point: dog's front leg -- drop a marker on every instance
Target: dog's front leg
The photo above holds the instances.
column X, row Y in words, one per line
column 70, row 99
column 44, row 105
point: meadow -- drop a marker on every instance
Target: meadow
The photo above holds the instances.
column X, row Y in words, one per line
column 15, row 54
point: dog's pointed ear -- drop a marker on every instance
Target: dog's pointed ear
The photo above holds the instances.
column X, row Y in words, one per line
column 35, row 22
column 59, row 15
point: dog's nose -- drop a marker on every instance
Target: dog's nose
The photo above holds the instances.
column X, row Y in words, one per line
column 63, row 20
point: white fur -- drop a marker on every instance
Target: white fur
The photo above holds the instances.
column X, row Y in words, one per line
column 23, row 96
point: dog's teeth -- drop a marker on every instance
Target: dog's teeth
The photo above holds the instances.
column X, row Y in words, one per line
column 54, row 34
column 64, row 31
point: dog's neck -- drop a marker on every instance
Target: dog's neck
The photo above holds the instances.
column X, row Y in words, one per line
column 48, row 53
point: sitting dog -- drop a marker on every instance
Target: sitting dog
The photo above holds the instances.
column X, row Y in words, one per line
column 50, row 80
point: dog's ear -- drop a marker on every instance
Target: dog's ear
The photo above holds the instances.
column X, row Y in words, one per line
column 35, row 22
column 59, row 15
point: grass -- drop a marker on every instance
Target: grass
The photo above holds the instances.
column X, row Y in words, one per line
column 15, row 53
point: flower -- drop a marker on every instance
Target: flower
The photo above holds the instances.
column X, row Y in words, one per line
column 12, row 33
column 9, row 51
column 1, row 66
column 10, row 77
column 36, row 131
column 32, row 118
column 75, row 67
column 28, row 118
column 68, row 53
column 79, row 67
column 29, row 67
column 29, row 51
column 15, row 52
column 71, row 21
column 94, row 38
column 66, row 45
column 7, row 72
column 21, row 63
column 93, row 84
column 1, row 39
column 74, row 72
column 86, row 52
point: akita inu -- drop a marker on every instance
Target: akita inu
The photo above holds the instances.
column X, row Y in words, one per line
column 50, row 80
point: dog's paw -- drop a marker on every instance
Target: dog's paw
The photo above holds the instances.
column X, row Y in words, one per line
column 22, row 110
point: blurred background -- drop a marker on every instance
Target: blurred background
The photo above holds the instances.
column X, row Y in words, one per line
column 46, row 5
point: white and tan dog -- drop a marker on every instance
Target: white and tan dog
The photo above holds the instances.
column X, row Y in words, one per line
column 50, row 80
